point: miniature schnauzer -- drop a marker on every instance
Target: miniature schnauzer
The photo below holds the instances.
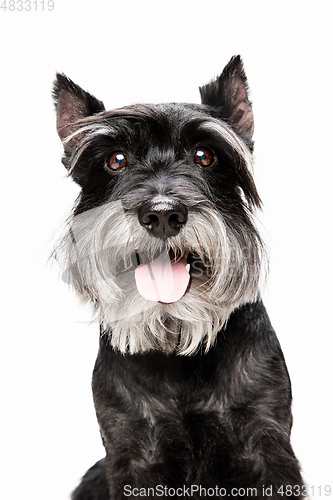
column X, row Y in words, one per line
column 190, row 386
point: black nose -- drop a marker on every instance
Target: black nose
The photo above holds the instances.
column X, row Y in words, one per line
column 163, row 218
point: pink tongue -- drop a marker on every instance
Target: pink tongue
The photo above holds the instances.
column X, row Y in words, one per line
column 162, row 280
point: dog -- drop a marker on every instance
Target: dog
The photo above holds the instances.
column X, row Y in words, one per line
column 190, row 386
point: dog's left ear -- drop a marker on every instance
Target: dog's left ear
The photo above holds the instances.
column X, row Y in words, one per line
column 72, row 104
column 227, row 96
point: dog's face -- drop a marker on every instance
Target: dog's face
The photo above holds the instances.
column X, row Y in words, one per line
column 162, row 240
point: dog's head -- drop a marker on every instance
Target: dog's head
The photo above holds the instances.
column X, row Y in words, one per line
column 162, row 239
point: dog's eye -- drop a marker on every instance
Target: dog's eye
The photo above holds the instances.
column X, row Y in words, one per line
column 117, row 161
column 203, row 157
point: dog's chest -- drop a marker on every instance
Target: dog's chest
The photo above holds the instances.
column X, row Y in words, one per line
column 152, row 387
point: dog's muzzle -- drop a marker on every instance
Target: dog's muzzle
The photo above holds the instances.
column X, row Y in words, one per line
column 163, row 278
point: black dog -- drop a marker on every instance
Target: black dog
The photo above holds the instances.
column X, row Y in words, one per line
column 190, row 385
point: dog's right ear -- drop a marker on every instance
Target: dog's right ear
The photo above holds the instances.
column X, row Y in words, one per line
column 227, row 98
column 72, row 104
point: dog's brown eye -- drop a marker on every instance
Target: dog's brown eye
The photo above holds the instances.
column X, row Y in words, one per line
column 203, row 157
column 117, row 161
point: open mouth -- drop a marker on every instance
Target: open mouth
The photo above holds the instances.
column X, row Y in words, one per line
column 163, row 278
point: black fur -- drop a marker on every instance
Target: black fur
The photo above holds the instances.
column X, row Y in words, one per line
column 219, row 419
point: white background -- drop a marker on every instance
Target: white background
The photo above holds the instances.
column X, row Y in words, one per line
column 128, row 51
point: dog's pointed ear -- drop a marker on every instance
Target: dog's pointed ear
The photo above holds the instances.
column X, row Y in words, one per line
column 227, row 96
column 72, row 104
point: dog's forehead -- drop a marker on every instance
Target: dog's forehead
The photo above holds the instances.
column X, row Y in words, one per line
column 178, row 122
column 166, row 116
column 165, row 123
